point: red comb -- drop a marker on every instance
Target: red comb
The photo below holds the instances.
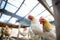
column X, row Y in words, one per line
column 30, row 17
column 41, row 20
column 41, row 17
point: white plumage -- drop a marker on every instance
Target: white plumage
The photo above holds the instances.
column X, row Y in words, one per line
column 35, row 26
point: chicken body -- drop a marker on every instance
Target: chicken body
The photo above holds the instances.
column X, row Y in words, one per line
column 32, row 36
column 36, row 28
column 7, row 31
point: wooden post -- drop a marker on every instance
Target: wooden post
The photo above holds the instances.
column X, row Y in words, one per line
column 18, row 30
column 56, row 7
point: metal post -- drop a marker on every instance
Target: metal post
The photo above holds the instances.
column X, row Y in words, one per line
column 56, row 7
column 18, row 30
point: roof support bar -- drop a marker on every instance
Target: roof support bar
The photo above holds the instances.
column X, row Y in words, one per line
column 9, row 13
column 44, row 3
column 5, row 4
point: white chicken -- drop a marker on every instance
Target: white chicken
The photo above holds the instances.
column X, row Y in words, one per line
column 32, row 35
column 35, row 26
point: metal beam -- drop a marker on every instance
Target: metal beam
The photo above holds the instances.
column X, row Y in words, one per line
column 56, row 7
column 9, row 13
column 20, row 6
column 1, row 2
column 11, row 4
column 5, row 4
column 0, row 6
column 2, row 24
column 44, row 3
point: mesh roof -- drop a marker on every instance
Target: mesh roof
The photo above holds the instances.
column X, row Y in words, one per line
column 22, row 8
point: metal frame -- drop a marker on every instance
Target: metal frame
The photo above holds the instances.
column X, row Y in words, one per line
column 44, row 3
column 0, row 6
column 17, row 10
column 20, row 6
column 11, row 4
column 13, row 15
column 16, row 16
column 26, row 14
column 30, row 11
column 9, row 13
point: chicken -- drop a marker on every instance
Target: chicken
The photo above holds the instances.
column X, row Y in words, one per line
column 32, row 36
column 35, row 26
column 7, row 31
column 48, row 29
